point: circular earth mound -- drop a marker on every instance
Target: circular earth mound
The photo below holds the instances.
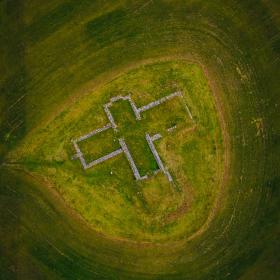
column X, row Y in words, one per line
column 173, row 197
column 139, row 140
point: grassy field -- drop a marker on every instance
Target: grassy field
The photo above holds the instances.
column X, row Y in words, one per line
column 60, row 61
column 153, row 209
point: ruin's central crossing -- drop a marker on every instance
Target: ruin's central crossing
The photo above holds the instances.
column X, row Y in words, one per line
column 133, row 135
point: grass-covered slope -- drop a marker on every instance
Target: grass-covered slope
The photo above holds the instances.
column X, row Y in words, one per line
column 107, row 195
column 60, row 61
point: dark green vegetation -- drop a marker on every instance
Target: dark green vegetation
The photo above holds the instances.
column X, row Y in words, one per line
column 55, row 53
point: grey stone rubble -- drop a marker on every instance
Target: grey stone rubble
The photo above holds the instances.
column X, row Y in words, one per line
column 96, row 131
column 157, row 157
column 124, row 149
column 110, row 117
column 115, row 99
column 156, row 137
column 170, row 129
column 130, row 160
column 79, row 154
column 104, row 158
column 159, row 101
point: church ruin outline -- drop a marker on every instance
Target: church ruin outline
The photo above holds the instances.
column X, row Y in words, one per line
column 123, row 147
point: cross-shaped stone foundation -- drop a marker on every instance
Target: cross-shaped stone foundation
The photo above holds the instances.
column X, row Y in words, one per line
column 125, row 127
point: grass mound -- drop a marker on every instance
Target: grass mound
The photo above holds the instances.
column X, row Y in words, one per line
column 61, row 61
column 107, row 195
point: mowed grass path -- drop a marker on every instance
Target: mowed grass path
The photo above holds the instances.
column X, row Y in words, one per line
column 54, row 55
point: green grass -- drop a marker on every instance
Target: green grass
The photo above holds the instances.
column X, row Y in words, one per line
column 60, row 60
column 99, row 146
column 196, row 170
